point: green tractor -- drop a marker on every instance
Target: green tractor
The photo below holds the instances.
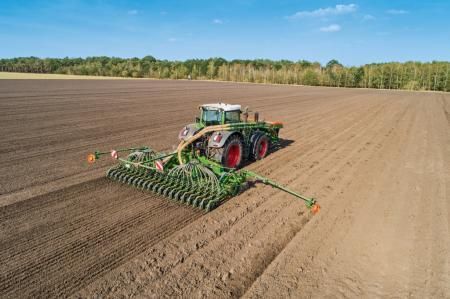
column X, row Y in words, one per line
column 205, row 169
column 233, row 138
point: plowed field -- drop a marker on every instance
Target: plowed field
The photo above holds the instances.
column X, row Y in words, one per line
column 377, row 161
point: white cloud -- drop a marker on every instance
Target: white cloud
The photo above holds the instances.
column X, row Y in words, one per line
column 172, row 39
column 331, row 28
column 339, row 9
column 368, row 18
column 217, row 21
column 133, row 12
column 397, row 11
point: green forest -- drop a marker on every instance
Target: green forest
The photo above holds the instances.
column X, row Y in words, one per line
column 392, row 75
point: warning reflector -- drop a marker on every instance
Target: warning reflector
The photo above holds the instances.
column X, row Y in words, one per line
column 91, row 158
column 159, row 165
column 114, row 154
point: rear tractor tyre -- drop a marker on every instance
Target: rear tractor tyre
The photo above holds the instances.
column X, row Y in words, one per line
column 232, row 153
column 261, row 147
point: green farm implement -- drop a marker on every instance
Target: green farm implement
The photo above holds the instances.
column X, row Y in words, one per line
column 204, row 170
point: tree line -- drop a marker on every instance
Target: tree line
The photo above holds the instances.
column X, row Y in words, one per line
column 392, row 75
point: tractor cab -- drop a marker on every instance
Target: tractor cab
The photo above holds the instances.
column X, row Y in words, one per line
column 219, row 114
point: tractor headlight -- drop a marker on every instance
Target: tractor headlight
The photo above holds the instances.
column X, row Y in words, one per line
column 217, row 138
column 184, row 131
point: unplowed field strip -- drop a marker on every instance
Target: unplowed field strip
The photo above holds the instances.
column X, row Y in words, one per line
column 377, row 161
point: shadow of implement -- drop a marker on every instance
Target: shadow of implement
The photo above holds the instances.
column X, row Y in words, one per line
column 282, row 143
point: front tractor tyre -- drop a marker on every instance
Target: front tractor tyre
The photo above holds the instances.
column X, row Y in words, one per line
column 261, row 148
column 232, row 153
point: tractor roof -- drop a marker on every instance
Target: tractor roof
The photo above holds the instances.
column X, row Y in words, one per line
column 222, row 106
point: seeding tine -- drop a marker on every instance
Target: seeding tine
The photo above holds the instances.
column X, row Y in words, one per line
column 193, row 183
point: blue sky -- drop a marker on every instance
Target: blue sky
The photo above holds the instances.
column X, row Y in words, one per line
column 354, row 32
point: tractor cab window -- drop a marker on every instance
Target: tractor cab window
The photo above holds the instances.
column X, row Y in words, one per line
column 232, row 116
column 211, row 117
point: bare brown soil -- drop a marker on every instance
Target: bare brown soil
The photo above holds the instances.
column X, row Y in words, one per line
column 377, row 161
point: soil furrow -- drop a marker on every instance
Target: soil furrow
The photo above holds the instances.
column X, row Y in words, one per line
column 376, row 160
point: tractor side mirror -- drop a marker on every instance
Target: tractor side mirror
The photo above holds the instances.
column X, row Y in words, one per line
column 197, row 119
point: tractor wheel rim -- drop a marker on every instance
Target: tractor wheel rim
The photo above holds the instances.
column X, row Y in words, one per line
column 234, row 153
column 262, row 148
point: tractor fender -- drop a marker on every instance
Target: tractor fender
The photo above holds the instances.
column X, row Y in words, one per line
column 188, row 131
column 254, row 138
column 216, row 142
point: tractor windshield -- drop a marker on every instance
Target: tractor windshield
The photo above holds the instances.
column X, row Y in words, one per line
column 211, row 117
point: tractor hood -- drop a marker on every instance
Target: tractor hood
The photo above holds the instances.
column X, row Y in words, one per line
column 188, row 131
